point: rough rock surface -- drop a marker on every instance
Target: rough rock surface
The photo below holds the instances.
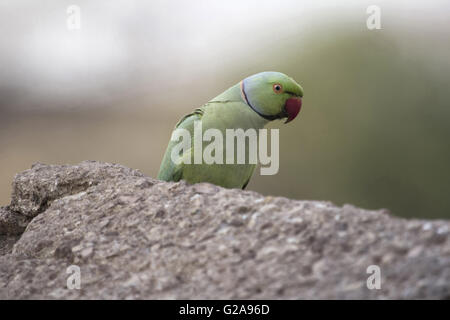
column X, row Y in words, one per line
column 136, row 237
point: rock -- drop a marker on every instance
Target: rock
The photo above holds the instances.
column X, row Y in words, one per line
column 135, row 237
column 12, row 223
column 35, row 189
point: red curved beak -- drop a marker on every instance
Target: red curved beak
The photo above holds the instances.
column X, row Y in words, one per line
column 292, row 108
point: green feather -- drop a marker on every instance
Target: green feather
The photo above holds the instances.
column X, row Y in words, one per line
column 229, row 110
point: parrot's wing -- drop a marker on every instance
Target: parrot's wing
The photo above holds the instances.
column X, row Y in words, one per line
column 248, row 180
column 169, row 171
column 187, row 122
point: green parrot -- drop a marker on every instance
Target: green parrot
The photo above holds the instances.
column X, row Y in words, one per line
column 251, row 103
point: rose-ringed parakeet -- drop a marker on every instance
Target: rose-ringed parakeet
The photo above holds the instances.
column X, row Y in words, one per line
column 251, row 103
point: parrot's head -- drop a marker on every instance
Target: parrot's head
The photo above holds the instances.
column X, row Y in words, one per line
column 273, row 95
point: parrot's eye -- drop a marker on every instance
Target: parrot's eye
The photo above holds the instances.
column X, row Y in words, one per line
column 277, row 88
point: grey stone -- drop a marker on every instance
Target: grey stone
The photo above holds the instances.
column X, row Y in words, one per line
column 12, row 223
column 136, row 237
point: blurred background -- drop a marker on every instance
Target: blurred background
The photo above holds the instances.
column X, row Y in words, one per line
column 375, row 125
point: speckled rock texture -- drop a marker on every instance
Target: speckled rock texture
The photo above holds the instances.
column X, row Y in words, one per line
column 138, row 238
